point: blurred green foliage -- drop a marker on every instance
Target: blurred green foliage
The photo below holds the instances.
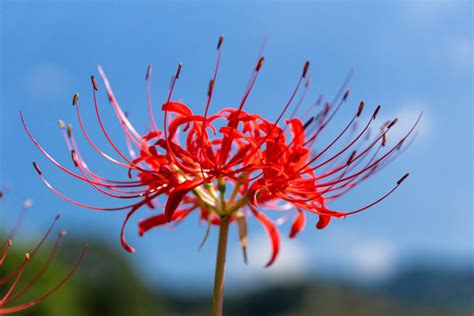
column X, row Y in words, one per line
column 106, row 285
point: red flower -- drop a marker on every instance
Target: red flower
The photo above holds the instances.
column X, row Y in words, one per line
column 11, row 281
column 196, row 158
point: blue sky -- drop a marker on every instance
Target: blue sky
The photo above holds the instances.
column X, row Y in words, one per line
column 407, row 56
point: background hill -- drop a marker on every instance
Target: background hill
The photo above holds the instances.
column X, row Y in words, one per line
column 106, row 285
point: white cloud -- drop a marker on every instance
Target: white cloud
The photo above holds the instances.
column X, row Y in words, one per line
column 46, row 81
column 373, row 259
column 352, row 256
column 291, row 264
column 462, row 52
column 336, row 252
column 429, row 10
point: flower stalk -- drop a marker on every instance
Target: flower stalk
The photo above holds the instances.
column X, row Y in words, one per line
column 218, row 292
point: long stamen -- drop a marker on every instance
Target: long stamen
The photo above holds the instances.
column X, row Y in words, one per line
column 233, row 123
column 109, row 139
column 26, row 205
column 323, row 124
column 326, row 111
column 378, row 160
column 303, row 75
column 399, row 182
column 341, row 151
column 373, row 171
column 165, row 122
column 148, row 98
column 5, row 251
column 269, row 133
column 300, row 101
column 41, row 272
column 89, row 140
column 51, row 159
column 5, row 279
column 357, row 157
column 15, row 282
column 209, row 98
column 110, row 184
column 340, row 134
column 82, row 166
column 45, row 237
column 317, row 103
column 47, row 294
column 95, row 208
column 349, row 185
column 124, row 122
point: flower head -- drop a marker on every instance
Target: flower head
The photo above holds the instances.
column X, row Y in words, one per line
column 11, row 281
column 233, row 165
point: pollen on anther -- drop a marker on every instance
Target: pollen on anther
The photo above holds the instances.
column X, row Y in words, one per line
column 94, row 83
column 351, row 158
column 221, row 39
column 148, row 72
column 180, row 65
column 361, row 108
column 376, row 112
column 69, row 130
column 400, row 145
column 260, row 63
column 27, row 256
column 28, row 203
column 74, row 158
column 402, row 179
column 327, row 107
column 61, row 124
column 75, row 98
column 346, row 95
column 305, row 69
column 63, row 233
column 37, row 168
column 211, row 87
column 392, row 123
column 308, row 122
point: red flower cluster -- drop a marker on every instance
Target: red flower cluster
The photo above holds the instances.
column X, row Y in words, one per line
column 11, row 280
column 196, row 159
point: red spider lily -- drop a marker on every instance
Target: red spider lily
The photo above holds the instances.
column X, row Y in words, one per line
column 11, row 281
column 195, row 159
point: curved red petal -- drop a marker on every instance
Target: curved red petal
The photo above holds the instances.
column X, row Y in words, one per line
column 124, row 243
column 151, row 222
column 323, row 221
column 298, row 223
column 177, row 195
column 177, row 107
column 254, row 189
column 160, row 219
column 272, row 232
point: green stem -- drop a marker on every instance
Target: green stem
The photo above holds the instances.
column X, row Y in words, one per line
column 218, row 293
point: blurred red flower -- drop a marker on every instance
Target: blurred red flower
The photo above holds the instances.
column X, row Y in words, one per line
column 11, row 281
